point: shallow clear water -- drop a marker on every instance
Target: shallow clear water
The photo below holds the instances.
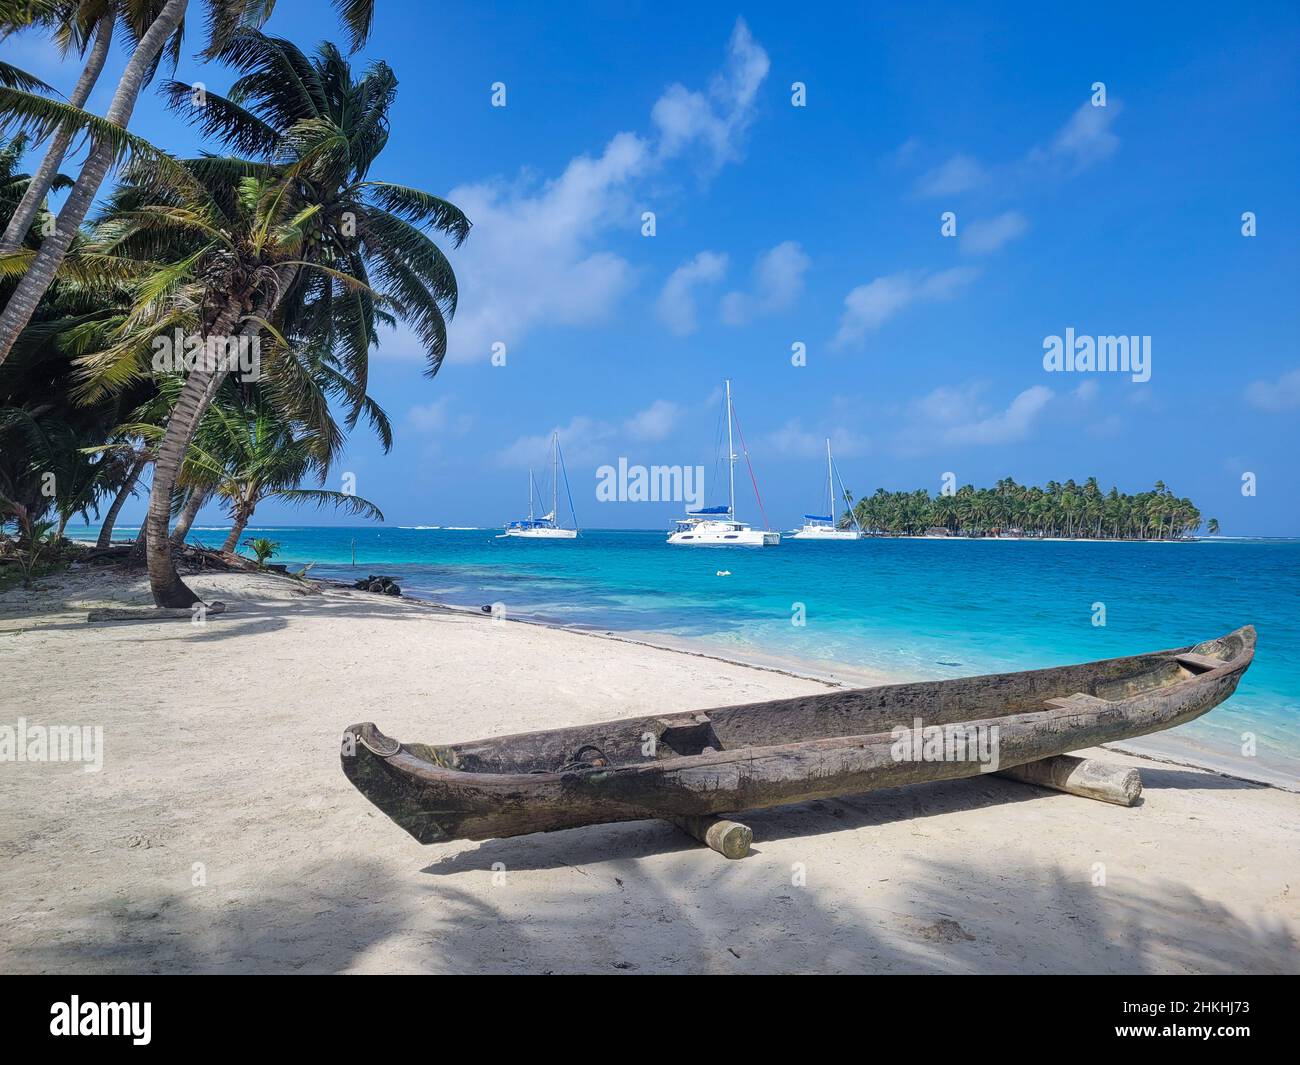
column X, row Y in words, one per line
column 913, row 608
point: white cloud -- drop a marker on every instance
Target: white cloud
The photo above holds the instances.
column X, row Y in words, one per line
column 778, row 282
column 869, row 306
column 580, row 440
column 947, row 404
column 958, row 174
column 593, row 440
column 985, row 236
column 1085, row 139
column 1274, row 397
column 530, row 257
column 676, row 306
column 719, row 118
column 1087, row 391
column 534, row 257
column 656, row 422
column 903, row 155
column 957, row 415
column 793, row 439
column 439, row 418
column 1006, row 426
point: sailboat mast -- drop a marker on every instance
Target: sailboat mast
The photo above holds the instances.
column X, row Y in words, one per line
column 530, row 493
column 555, row 477
column 731, row 458
column 830, row 482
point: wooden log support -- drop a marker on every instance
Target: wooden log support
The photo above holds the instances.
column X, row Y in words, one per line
column 1081, row 776
column 728, row 838
column 152, row 613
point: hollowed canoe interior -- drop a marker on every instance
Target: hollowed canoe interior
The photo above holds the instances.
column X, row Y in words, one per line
column 848, row 712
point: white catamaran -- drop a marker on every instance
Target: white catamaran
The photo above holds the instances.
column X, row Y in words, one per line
column 823, row 526
column 546, row 527
column 717, row 526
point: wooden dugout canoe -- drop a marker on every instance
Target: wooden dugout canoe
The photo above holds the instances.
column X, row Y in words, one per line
column 785, row 751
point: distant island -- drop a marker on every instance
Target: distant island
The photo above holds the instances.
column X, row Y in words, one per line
column 1059, row 510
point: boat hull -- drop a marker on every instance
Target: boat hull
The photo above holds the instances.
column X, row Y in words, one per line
column 724, row 534
column 543, row 534
column 785, row 751
column 817, row 532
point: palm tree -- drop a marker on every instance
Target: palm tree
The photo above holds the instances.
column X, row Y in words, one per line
column 60, row 475
column 301, row 247
column 104, row 148
column 1058, row 509
column 1212, row 526
column 226, row 17
column 248, row 453
column 89, row 29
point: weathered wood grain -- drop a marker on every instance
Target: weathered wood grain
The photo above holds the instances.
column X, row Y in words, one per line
column 729, row 838
column 773, row 753
column 1089, row 777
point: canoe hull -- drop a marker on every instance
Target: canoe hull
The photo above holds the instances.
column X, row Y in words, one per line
column 899, row 735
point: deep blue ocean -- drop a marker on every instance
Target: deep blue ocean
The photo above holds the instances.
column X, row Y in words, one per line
column 913, row 608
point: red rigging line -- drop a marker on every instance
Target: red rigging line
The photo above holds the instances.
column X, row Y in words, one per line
column 749, row 466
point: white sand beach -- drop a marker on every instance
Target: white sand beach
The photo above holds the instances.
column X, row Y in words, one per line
column 221, row 834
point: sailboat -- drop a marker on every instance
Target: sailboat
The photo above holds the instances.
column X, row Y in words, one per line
column 546, row 527
column 823, row 526
column 717, row 526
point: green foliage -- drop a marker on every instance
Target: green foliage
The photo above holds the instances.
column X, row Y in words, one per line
column 262, row 548
column 37, row 541
column 1059, row 510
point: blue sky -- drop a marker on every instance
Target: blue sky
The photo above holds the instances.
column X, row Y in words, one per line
column 821, row 224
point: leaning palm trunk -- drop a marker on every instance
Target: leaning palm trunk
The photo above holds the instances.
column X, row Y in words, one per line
column 193, row 504
column 39, row 185
column 22, row 304
column 200, row 386
column 241, row 518
column 195, row 398
column 124, row 493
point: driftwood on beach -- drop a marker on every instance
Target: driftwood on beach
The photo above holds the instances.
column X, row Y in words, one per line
column 155, row 613
column 703, row 764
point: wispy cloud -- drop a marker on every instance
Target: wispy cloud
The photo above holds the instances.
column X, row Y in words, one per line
column 958, row 415
column 869, row 306
column 535, row 257
column 656, row 422
column 960, row 173
column 1276, row 397
column 717, row 118
column 1086, row 138
column 1006, row 426
column 676, row 304
column 986, row 235
column 530, row 257
column 588, row 440
column 778, row 282
column 793, row 439
column 439, row 418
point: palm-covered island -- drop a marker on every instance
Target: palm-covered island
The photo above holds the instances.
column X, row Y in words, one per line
column 1059, row 510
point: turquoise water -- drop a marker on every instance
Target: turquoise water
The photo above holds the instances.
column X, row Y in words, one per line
column 913, row 608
